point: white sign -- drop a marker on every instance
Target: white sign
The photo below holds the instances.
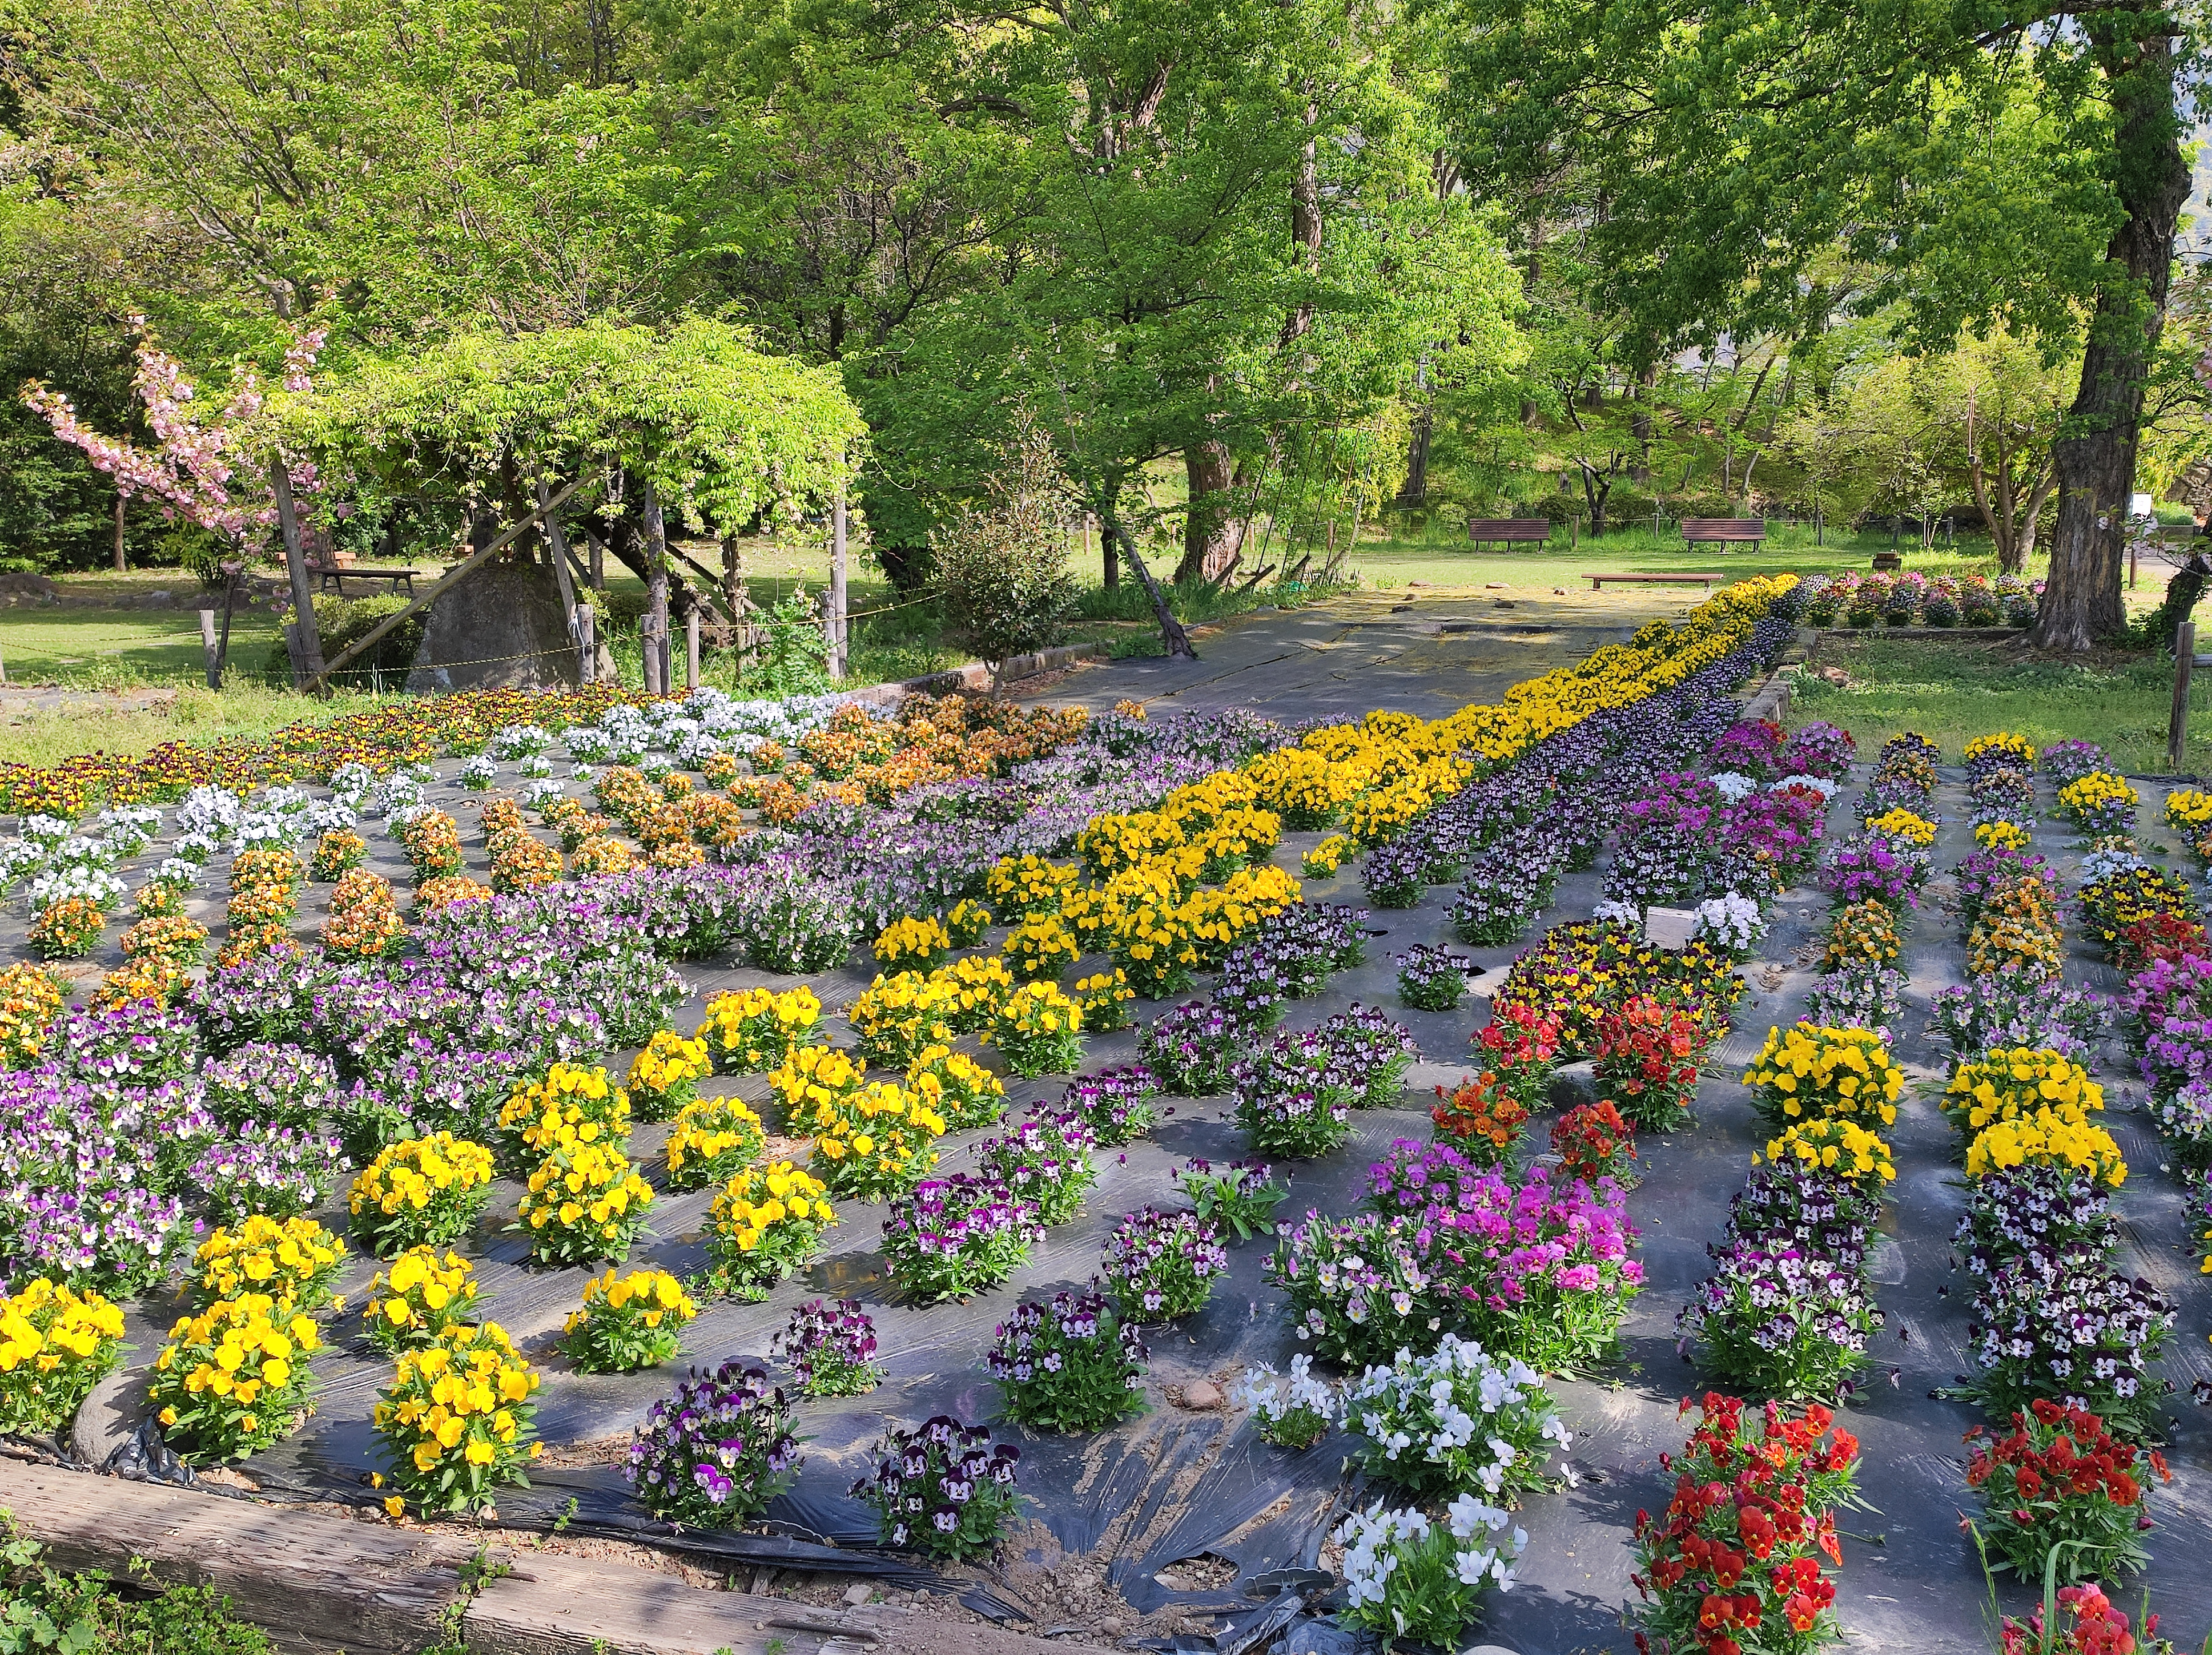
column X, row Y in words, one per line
column 1670, row 928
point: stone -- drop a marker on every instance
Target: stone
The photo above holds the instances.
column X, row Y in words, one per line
column 858, row 1594
column 1493, row 585
column 503, row 628
column 1203, row 1396
column 1670, row 928
column 1110, row 1627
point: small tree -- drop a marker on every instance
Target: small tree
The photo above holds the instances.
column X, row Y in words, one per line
column 1002, row 565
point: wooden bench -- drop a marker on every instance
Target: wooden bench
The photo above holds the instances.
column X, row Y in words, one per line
column 1508, row 531
column 332, row 577
column 1724, row 531
column 1708, row 581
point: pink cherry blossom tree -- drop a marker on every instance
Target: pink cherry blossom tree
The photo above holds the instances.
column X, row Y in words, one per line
column 199, row 467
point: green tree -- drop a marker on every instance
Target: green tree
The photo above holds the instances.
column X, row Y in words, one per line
column 1002, row 564
column 2017, row 162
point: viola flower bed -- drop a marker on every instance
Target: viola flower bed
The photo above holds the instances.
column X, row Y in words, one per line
column 493, row 990
column 830, row 1345
column 715, row 1451
column 1073, row 1364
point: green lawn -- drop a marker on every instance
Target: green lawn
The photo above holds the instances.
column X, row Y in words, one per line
column 1950, row 691
column 100, row 647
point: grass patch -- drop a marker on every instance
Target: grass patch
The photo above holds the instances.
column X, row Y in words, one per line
column 97, row 647
column 244, row 708
column 1955, row 690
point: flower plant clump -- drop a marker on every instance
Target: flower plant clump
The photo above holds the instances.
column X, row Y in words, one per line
column 278, row 1170
column 1517, row 1049
column 1813, row 1071
column 1292, row 1410
column 1069, row 1365
column 2060, row 1482
column 416, row 1297
column 1647, row 1062
column 1045, row 1161
column 56, row 1344
column 583, row 1203
column 1593, row 1142
column 1484, row 1119
column 295, row 1261
column 874, row 1143
column 2100, row 803
column 957, row 1088
column 1830, row 1143
column 943, row 1489
column 2082, row 1622
column 1039, row 1030
column 234, row 1379
column 1117, row 1104
column 1459, row 1421
column 455, row 1424
column 1191, row 1051
column 753, row 1030
column 2063, row 1325
column 1432, row 978
column 765, row 1223
column 954, row 1237
column 830, row 1345
column 2007, row 1083
column 1376, row 1049
column 1238, row 1195
column 665, row 1077
column 713, row 1140
column 713, row 1453
column 1410, row 1577
column 628, row 1322
column 1162, row 1266
column 1737, row 1554
column 425, row 1191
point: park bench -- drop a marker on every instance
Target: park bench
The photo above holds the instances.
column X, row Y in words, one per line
column 1708, row 581
column 1724, row 531
column 1508, row 532
column 330, row 577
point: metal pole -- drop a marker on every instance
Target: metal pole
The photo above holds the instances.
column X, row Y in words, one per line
column 837, row 586
column 692, row 647
column 207, row 647
column 2177, row 726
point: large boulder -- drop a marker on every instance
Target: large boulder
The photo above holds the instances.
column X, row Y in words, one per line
column 503, row 628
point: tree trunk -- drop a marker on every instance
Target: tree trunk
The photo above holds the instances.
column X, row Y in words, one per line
column 1212, row 533
column 656, row 591
column 122, row 561
column 1639, row 426
column 2094, row 456
column 1171, row 632
column 1414, row 493
column 296, row 566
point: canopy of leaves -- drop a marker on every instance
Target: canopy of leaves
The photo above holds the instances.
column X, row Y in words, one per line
column 722, row 430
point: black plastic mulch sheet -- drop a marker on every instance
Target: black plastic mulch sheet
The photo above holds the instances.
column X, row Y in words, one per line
column 1171, row 1485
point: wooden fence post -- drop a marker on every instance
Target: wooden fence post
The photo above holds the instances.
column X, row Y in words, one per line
column 207, row 648
column 2184, row 662
column 692, row 647
column 307, row 653
column 587, row 645
column 837, row 586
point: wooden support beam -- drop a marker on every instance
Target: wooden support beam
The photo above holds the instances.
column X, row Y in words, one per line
column 559, row 542
column 360, row 647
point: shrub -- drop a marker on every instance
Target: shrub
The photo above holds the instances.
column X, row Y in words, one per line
column 1002, row 565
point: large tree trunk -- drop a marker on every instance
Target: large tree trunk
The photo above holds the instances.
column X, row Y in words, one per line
column 1414, row 493
column 2094, row 456
column 1212, row 533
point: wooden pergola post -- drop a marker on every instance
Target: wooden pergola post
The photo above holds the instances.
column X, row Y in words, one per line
column 307, row 661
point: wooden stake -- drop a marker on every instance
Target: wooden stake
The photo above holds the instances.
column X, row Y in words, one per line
column 584, row 622
column 2176, row 725
column 308, row 671
column 207, row 647
column 692, row 647
column 837, row 639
